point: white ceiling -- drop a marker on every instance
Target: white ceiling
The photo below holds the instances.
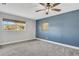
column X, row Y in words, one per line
column 28, row 9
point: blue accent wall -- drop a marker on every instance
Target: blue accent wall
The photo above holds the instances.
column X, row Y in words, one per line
column 63, row 28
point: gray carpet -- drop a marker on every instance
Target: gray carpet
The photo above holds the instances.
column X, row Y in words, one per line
column 36, row 48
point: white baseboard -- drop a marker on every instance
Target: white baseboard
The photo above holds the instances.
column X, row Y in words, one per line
column 65, row 45
column 5, row 43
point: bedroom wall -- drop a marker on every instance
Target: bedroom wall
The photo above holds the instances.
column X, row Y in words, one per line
column 63, row 28
column 11, row 36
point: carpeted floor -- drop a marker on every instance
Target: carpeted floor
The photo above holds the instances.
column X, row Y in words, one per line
column 36, row 48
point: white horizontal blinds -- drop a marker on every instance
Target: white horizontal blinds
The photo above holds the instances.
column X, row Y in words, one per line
column 4, row 19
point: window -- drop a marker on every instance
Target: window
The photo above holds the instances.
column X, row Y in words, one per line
column 13, row 25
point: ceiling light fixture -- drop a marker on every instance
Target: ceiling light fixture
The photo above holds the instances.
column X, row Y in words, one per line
column 49, row 6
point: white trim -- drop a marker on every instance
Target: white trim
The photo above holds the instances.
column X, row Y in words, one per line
column 65, row 45
column 5, row 43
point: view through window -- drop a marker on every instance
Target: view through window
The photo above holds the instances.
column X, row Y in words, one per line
column 13, row 25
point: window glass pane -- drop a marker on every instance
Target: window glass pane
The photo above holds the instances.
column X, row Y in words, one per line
column 13, row 25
